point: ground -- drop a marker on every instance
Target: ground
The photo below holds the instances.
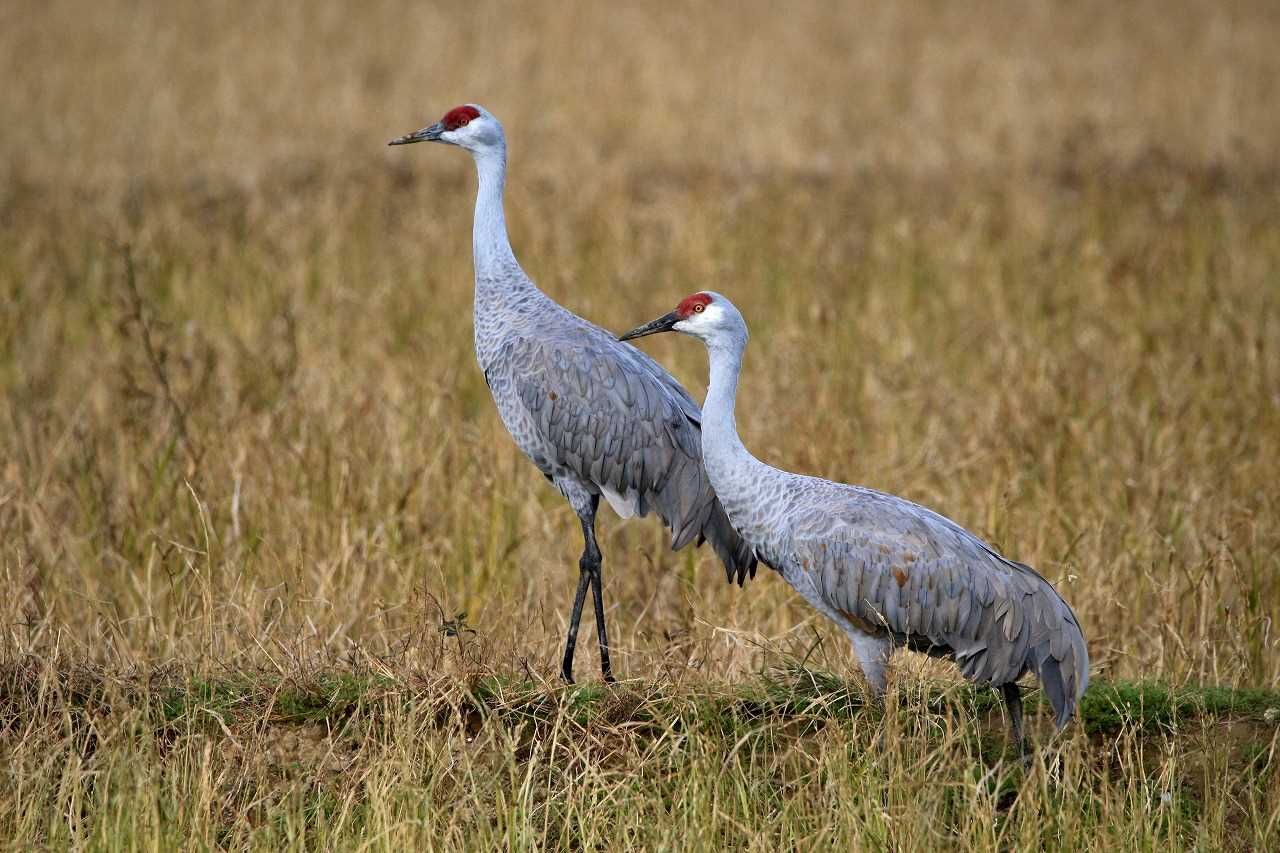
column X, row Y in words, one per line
column 275, row 575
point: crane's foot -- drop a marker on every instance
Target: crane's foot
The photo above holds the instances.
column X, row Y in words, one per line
column 606, row 667
column 1012, row 696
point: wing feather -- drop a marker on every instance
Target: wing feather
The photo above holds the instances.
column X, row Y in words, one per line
column 932, row 585
column 611, row 417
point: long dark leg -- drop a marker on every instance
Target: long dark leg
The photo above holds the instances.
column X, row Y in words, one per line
column 1012, row 696
column 597, row 594
column 566, row 668
column 588, row 573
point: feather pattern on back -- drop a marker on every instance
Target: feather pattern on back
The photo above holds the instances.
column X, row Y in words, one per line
column 894, row 568
column 583, row 406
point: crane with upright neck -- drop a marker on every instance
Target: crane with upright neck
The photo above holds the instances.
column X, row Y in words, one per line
column 595, row 416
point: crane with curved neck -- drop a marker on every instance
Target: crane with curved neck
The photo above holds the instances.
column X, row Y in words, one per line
column 889, row 572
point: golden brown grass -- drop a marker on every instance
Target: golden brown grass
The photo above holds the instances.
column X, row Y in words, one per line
column 1018, row 262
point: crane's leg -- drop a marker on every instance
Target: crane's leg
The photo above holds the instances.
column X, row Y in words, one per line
column 873, row 653
column 588, row 574
column 566, row 668
column 1012, row 695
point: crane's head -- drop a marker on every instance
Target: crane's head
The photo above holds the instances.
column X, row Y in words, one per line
column 706, row 315
column 469, row 126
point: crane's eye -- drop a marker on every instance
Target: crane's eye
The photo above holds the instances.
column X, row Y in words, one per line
column 464, row 122
column 697, row 309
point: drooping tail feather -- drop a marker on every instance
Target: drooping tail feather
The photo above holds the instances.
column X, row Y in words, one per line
column 687, row 505
column 1064, row 679
column 738, row 557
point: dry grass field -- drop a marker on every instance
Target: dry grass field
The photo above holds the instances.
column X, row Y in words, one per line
column 274, row 576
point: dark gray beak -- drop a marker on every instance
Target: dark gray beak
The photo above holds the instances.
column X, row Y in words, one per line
column 427, row 134
column 653, row 327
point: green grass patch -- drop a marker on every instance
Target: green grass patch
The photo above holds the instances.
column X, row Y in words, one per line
column 1108, row 707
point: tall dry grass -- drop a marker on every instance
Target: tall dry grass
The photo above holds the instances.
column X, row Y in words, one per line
column 1018, row 262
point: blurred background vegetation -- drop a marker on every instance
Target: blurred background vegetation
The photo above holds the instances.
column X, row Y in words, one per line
column 1019, row 262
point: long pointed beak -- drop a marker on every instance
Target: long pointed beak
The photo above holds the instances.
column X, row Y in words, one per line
column 665, row 323
column 427, row 134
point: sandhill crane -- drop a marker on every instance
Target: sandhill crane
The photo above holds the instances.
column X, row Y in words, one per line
column 596, row 416
column 889, row 572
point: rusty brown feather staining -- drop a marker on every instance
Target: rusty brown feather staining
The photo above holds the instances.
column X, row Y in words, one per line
column 861, row 624
column 884, row 549
column 909, row 557
column 552, row 395
column 900, row 575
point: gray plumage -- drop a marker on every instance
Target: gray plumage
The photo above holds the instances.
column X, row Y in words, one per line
column 902, row 575
column 595, row 416
column 889, row 572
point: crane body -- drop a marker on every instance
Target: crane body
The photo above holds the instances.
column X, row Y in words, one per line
column 889, row 572
column 597, row 417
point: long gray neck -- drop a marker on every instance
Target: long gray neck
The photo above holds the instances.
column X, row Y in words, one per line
column 496, row 265
column 723, row 452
